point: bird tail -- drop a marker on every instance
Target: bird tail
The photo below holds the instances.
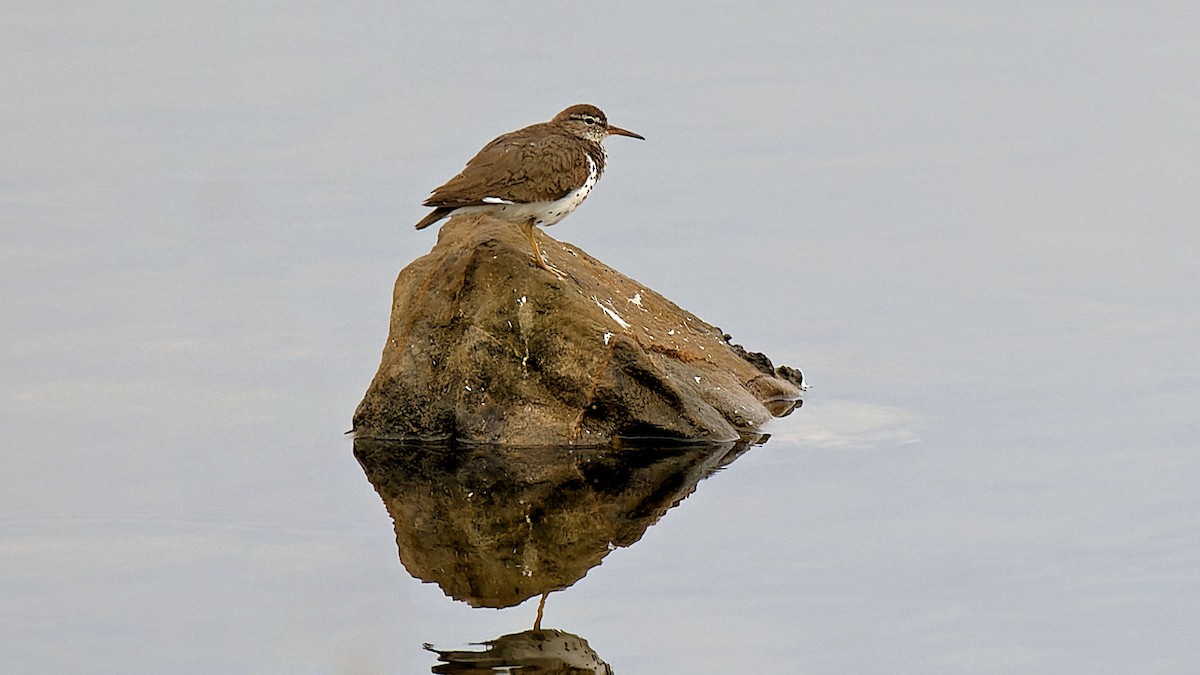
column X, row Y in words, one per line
column 434, row 216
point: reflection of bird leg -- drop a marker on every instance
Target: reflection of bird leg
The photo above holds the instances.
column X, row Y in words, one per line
column 527, row 226
column 537, row 623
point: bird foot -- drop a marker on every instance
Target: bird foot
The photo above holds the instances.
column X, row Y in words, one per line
column 542, row 263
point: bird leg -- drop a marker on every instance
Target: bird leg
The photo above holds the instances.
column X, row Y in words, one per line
column 537, row 623
column 527, row 226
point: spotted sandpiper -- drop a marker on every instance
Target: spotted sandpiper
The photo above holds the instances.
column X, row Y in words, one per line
column 531, row 176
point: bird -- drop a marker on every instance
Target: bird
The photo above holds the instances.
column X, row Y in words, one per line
column 533, row 176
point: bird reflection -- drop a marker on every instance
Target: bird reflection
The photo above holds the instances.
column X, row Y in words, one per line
column 548, row 652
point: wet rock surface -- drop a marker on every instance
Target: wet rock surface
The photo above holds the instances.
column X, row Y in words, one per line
column 484, row 346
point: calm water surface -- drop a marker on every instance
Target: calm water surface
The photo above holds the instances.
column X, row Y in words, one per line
column 974, row 229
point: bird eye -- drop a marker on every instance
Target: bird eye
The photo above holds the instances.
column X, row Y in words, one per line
column 589, row 120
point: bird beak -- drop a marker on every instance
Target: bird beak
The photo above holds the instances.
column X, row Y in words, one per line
column 618, row 131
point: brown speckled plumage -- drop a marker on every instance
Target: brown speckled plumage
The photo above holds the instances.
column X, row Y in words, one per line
column 540, row 163
column 544, row 162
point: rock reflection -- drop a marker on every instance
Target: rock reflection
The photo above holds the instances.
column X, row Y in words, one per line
column 494, row 525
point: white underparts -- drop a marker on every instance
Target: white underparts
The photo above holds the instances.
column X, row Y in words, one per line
column 542, row 213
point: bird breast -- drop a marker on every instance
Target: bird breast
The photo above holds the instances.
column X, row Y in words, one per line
column 557, row 210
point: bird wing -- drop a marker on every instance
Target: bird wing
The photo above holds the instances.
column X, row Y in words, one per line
column 528, row 165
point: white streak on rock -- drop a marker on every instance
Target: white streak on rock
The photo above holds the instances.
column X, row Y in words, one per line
column 613, row 315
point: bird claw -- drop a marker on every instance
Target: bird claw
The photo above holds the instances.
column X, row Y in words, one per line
column 544, row 264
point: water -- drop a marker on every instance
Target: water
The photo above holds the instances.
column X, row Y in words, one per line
column 974, row 229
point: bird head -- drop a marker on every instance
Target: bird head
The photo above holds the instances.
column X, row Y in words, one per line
column 588, row 121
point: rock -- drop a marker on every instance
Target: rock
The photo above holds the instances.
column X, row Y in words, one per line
column 486, row 347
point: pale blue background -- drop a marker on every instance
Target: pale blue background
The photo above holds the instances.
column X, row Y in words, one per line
column 974, row 228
